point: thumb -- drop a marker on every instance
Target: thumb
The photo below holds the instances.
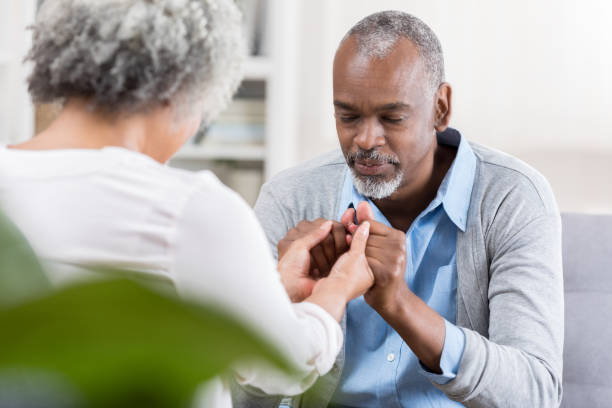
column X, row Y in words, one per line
column 360, row 237
column 364, row 212
column 348, row 217
column 314, row 237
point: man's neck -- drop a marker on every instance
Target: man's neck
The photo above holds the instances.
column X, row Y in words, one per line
column 405, row 205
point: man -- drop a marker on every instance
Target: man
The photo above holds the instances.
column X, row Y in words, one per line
column 467, row 305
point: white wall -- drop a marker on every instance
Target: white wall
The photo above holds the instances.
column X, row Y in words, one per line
column 16, row 112
column 533, row 78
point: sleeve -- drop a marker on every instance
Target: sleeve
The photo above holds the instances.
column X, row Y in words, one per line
column 222, row 257
column 452, row 352
column 520, row 363
column 273, row 219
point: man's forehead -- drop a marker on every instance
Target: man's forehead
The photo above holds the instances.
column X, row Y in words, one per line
column 377, row 104
column 402, row 52
column 401, row 67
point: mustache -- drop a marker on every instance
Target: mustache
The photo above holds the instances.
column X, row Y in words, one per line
column 372, row 155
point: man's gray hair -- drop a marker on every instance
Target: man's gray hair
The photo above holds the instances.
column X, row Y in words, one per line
column 377, row 33
column 133, row 55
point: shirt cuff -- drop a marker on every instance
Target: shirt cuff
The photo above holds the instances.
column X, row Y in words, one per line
column 314, row 355
column 452, row 352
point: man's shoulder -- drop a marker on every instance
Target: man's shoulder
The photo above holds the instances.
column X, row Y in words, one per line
column 502, row 175
column 326, row 163
column 307, row 191
column 324, row 173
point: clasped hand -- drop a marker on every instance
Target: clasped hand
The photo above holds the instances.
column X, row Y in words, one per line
column 350, row 274
column 319, row 249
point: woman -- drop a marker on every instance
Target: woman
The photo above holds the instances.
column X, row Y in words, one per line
column 136, row 78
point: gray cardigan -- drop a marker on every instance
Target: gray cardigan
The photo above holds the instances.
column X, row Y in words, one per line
column 510, row 280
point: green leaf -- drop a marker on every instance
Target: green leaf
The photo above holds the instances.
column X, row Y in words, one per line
column 21, row 276
column 123, row 345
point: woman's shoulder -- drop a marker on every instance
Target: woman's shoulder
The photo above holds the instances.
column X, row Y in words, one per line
column 165, row 182
column 211, row 196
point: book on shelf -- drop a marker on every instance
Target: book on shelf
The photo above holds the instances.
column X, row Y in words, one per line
column 243, row 122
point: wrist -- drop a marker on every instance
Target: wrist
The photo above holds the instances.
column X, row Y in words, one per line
column 290, row 289
column 331, row 285
column 396, row 308
column 332, row 295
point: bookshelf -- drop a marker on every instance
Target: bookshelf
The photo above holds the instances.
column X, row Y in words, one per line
column 269, row 78
column 245, row 161
column 242, row 152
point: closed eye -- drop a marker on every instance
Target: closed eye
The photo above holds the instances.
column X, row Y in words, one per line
column 392, row 119
column 347, row 118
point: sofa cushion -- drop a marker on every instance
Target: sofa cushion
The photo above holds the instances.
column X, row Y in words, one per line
column 587, row 263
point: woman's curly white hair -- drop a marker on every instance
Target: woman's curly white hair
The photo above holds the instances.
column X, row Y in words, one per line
column 132, row 55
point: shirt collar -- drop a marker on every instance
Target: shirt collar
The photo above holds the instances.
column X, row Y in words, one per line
column 460, row 178
column 454, row 192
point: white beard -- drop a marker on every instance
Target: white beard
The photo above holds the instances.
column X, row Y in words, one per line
column 375, row 188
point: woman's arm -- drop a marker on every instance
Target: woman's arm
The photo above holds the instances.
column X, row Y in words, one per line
column 222, row 256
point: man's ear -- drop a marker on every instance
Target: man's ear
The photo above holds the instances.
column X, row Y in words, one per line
column 443, row 107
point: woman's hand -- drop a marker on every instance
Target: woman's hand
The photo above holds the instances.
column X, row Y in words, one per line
column 386, row 254
column 295, row 264
column 349, row 278
column 323, row 255
column 352, row 268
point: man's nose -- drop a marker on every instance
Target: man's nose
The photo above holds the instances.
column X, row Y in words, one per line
column 371, row 134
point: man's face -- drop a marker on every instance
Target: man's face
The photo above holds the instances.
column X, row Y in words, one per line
column 384, row 113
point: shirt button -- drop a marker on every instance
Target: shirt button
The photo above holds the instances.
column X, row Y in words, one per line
column 390, row 357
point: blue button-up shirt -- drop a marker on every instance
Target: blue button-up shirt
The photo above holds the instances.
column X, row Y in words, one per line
column 380, row 369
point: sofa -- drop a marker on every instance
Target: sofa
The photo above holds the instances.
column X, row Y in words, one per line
column 587, row 264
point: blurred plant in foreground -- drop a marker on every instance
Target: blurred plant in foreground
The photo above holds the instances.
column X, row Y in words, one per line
column 107, row 343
